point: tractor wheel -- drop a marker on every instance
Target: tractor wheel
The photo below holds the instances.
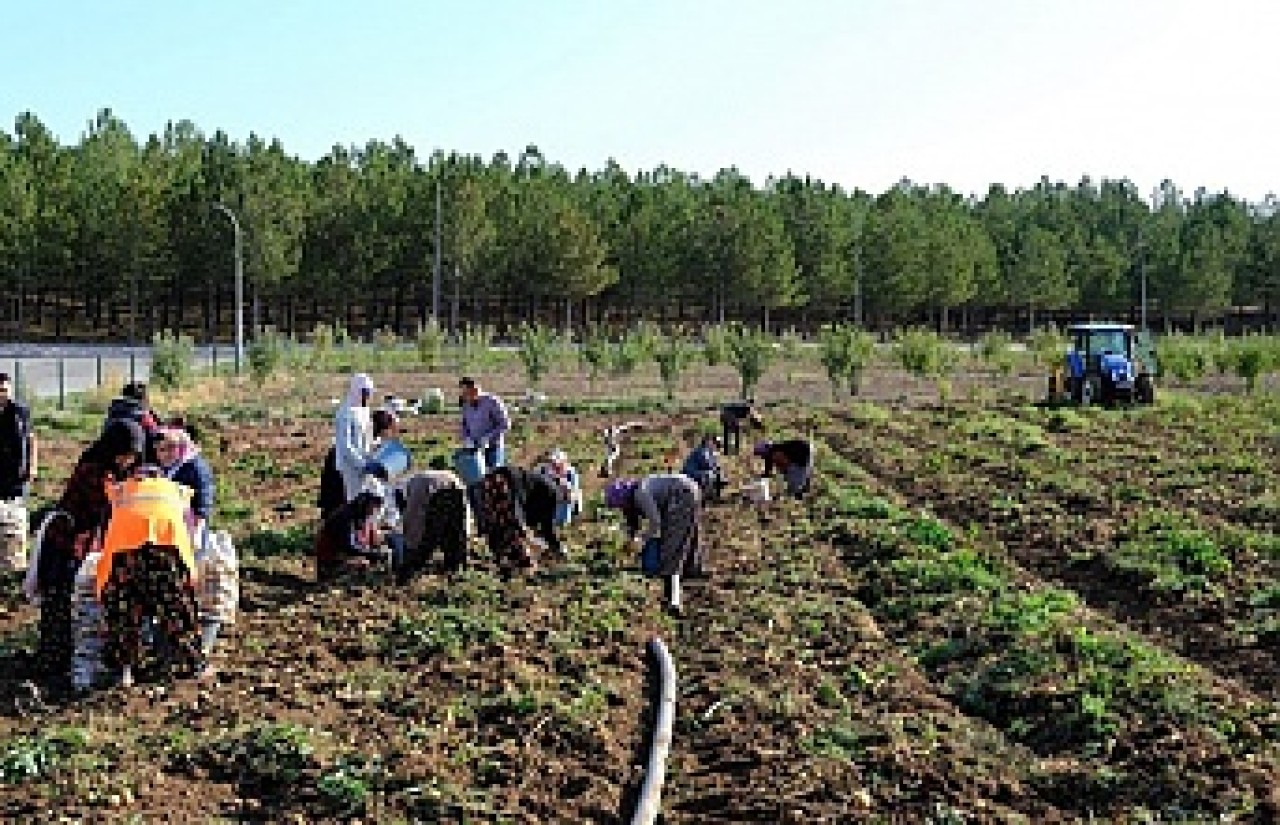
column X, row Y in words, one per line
column 1107, row 392
column 1087, row 393
column 1145, row 389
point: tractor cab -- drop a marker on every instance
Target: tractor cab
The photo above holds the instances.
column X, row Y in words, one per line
column 1108, row 363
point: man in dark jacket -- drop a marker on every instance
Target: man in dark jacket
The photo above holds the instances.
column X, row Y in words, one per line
column 132, row 405
column 734, row 417
column 17, row 443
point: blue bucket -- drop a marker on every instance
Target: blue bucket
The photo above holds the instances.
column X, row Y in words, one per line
column 651, row 557
column 394, row 456
column 470, row 465
column 564, row 514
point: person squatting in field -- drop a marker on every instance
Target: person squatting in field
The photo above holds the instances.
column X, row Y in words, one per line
column 350, row 537
column 703, row 466
column 435, row 517
column 734, row 417
column 147, row 572
column 180, row 460
column 671, row 508
column 568, row 484
column 793, row 458
column 516, row 500
column 75, row 530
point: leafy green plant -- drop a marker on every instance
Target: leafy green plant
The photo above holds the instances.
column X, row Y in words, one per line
column 30, row 758
column 323, row 340
column 995, row 349
column 172, row 360
column 673, row 355
column 750, row 352
column 715, row 344
column 471, row 346
column 626, row 355
column 845, row 353
column 924, row 353
column 538, row 349
column 791, row 347
column 593, row 353
column 1047, row 345
column 429, row 343
column 1184, row 357
column 266, row 352
column 446, row 632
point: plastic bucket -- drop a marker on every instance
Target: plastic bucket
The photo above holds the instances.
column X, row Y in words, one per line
column 757, row 492
column 395, row 457
column 470, row 465
column 651, row 557
column 564, row 514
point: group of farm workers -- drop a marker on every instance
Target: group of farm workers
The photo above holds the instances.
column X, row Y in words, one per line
column 124, row 538
column 517, row 511
column 367, row 515
column 130, row 534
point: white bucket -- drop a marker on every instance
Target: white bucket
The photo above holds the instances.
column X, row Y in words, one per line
column 757, row 492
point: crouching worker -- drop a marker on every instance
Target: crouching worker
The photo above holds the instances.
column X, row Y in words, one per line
column 435, row 517
column 349, row 539
column 793, row 458
column 703, row 466
column 567, row 483
column 514, row 501
column 147, row 571
column 671, row 507
column 74, row 531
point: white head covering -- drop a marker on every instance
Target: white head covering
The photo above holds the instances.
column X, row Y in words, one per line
column 360, row 383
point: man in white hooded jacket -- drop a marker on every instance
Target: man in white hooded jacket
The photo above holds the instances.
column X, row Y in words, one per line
column 353, row 437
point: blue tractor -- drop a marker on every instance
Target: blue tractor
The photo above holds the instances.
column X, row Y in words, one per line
column 1107, row 364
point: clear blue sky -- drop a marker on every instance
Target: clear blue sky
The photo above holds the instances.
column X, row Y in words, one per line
column 859, row 92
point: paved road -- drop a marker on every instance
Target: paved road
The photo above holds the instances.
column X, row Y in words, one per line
column 35, row 366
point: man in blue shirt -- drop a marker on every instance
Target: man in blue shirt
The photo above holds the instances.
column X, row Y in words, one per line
column 485, row 423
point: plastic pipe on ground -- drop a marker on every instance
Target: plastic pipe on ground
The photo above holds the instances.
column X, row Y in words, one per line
column 650, row 801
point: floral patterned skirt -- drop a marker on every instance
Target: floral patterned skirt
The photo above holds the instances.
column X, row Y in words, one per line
column 152, row 582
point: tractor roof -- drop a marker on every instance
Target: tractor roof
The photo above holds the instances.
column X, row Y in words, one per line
column 1100, row 327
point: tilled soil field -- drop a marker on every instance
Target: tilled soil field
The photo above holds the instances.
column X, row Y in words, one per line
column 983, row 614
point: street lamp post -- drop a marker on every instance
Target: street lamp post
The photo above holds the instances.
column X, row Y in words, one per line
column 435, row 273
column 239, row 254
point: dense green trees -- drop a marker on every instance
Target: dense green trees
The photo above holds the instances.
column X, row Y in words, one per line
column 115, row 235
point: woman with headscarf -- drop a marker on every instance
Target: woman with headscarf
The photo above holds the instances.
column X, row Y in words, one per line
column 353, row 437
column 703, row 466
column 516, row 500
column 180, row 460
column 75, row 530
column 435, row 517
column 147, row 571
column 671, row 507
column 349, row 538
column 568, row 486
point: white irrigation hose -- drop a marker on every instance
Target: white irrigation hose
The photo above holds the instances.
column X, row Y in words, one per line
column 650, row 801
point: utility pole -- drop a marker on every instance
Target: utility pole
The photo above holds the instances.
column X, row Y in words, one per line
column 435, row 279
column 239, row 254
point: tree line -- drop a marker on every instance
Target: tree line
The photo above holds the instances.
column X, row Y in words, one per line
column 115, row 236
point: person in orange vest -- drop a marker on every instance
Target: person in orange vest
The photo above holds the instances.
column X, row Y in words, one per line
column 73, row 531
column 147, row 569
